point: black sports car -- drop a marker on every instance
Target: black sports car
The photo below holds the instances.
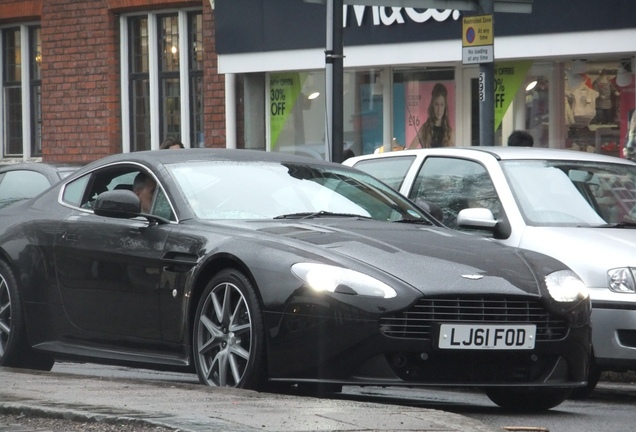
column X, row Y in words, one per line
column 261, row 270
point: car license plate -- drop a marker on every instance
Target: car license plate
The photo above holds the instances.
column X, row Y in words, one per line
column 496, row 337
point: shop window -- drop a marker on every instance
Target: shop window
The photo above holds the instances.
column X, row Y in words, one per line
column 164, row 58
column 20, row 128
column 195, row 44
column 599, row 102
column 297, row 110
column 424, row 108
column 538, row 109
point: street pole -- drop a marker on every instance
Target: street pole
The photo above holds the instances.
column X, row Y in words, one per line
column 334, row 60
column 487, row 80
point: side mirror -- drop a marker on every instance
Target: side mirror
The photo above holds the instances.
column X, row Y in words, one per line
column 480, row 218
column 122, row 204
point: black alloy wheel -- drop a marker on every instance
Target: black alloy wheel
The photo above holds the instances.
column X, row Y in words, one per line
column 5, row 318
column 229, row 337
column 14, row 349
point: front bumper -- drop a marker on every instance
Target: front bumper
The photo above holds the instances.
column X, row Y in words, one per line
column 348, row 346
column 614, row 335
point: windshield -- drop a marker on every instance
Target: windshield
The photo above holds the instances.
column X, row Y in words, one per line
column 573, row 193
column 265, row 190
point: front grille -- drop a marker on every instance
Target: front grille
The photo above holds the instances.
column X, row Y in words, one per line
column 420, row 321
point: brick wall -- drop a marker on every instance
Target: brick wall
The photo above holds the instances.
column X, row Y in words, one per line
column 80, row 81
column 213, row 85
column 81, row 106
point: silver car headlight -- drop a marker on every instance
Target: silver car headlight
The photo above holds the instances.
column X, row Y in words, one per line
column 323, row 277
column 621, row 280
column 566, row 286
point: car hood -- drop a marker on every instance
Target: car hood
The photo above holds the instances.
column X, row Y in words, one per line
column 590, row 252
column 425, row 257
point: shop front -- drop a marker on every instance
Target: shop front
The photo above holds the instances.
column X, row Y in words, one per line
column 563, row 73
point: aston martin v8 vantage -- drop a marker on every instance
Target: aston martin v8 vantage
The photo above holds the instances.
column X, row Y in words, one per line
column 261, row 270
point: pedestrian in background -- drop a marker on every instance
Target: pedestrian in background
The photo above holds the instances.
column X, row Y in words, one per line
column 171, row 144
column 520, row 138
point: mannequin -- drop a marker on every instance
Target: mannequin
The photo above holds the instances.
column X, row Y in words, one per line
column 605, row 88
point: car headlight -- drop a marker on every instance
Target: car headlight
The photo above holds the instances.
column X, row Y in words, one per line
column 621, row 280
column 566, row 286
column 323, row 277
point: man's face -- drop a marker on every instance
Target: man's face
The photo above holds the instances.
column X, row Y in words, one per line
column 145, row 194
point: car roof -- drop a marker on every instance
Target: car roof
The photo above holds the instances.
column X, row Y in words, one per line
column 41, row 167
column 506, row 153
column 160, row 157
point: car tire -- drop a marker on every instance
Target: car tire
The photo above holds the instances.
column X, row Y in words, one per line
column 228, row 333
column 14, row 347
column 527, row 400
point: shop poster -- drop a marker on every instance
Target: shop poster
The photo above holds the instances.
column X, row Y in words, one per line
column 417, row 98
column 284, row 90
column 509, row 77
column 369, row 119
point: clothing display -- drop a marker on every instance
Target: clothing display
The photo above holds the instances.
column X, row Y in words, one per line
column 584, row 104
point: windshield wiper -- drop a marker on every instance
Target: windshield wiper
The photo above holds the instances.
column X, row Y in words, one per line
column 414, row 221
column 321, row 213
column 618, row 225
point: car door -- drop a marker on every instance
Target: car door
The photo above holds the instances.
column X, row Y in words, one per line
column 454, row 184
column 109, row 270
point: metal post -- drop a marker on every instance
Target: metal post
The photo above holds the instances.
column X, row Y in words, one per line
column 334, row 80
column 487, row 79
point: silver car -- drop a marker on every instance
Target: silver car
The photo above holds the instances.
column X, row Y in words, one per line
column 577, row 207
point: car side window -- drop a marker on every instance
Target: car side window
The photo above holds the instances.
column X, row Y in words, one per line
column 74, row 191
column 106, row 180
column 390, row 170
column 161, row 206
column 455, row 184
column 83, row 191
column 21, row 184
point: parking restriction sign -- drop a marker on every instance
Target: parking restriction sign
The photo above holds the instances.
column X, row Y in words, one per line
column 477, row 39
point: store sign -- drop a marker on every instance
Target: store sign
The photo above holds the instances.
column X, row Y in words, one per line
column 397, row 15
column 509, row 77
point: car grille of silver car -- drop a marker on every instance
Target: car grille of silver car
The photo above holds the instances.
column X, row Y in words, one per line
column 421, row 320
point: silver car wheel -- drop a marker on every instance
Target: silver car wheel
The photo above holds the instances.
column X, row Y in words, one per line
column 223, row 336
column 5, row 315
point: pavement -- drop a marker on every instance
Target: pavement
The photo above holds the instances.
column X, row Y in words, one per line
column 197, row 408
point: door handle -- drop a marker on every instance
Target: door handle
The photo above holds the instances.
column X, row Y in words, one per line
column 71, row 237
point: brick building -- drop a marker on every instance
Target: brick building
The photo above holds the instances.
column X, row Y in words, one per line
column 84, row 79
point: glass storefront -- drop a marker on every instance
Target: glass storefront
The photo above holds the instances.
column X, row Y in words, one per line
column 574, row 104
